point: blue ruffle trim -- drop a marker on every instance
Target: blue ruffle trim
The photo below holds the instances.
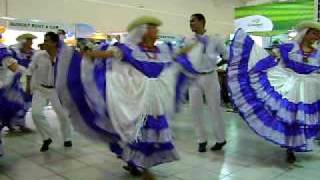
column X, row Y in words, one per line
column 260, row 111
column 77, row 92
column 3, row 54
column 149, row 69
column 12, row 110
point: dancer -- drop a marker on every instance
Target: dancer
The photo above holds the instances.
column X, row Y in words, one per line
column 207, row 85
column 42, row 70
column 132, row 108
column 279, row 99
column 12, row 96
column 23, row 52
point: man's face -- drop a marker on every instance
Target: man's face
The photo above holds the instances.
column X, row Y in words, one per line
column 118, row 38
column 48, row 43
column 62, row 35
column 195, row 24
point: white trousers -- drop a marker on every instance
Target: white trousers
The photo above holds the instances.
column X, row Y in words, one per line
column 209, row 86
column 40, row 99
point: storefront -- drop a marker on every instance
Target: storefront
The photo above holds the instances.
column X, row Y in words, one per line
column 16, row 27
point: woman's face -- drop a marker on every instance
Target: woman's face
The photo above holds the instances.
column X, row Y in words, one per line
column 152, row 32
column 312, row 35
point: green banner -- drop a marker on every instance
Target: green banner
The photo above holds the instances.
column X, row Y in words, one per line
column 284, row 15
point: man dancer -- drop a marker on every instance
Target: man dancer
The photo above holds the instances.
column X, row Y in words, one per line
column 207, row 85
column 42, row 70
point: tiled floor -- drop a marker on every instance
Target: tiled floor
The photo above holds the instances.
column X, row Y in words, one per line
column 246, row 157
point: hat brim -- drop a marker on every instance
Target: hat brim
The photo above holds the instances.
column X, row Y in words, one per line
column 308, row 24
column 26, row 36
column 144, row 20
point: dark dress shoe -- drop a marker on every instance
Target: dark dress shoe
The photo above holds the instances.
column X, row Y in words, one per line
column 218, row 146
column 67, row 144
column 134, row 171
column 202, row 147
column 45, row 145
column 291, row 158
column 25, row 129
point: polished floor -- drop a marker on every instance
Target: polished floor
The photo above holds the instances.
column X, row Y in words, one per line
column 246, row 157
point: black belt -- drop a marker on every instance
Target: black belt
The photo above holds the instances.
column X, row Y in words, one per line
column 46, row 86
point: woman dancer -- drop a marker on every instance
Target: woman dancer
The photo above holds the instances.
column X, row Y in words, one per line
column 128, row 93
column 279, row 99
column 12, row 97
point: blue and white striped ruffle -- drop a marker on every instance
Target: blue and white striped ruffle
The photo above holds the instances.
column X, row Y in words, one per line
column 266, row 111
column 4, row 53
column 155, row 145
column 74, row 97
column 12, row 101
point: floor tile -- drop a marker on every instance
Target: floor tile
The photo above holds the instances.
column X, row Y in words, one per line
column 53, row 178
column 87, row 173
column 245, row 157
column 66, row 165
column 4, row 177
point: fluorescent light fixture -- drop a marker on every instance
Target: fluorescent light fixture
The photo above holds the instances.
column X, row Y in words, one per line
column 7, row 18
column 35, row 20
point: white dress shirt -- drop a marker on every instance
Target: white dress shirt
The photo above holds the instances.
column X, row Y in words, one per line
column 41, row 69
column 213, row 49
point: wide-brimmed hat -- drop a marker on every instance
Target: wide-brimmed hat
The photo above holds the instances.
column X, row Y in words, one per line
column 25, row 36
column 308, row 24
column 144, row 20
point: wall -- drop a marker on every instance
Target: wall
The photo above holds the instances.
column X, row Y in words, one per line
column 114, row 15
column 256, row 2
column 3, row 7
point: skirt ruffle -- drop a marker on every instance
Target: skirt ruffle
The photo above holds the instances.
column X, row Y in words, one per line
column 12, row 102
column 270, row 98
column 154, row 146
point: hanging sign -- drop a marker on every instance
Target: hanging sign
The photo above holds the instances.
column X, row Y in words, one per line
column 256, row 23
column 35, row 25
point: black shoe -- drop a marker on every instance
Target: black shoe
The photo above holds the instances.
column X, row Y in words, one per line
column 218, row 146
column 202, row 147
column 67, row 144
column 45, row 145
column 11, row 129
column 134, row 171
column 291, row 158
column 25, row 129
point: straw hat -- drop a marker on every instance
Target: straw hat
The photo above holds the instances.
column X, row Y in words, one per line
column 25, row 36
column 144, row 20
column 308, row 24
